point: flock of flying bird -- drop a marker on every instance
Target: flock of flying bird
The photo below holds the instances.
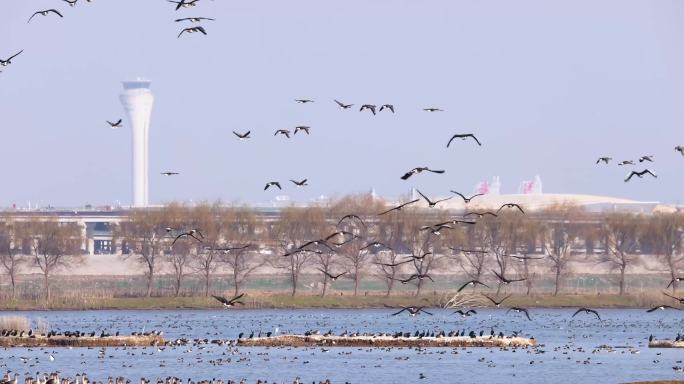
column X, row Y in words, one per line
column 642, row 159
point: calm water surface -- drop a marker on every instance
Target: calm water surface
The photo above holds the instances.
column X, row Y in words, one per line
column 568, row 350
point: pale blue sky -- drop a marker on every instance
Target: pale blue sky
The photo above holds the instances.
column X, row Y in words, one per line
column 547, row 86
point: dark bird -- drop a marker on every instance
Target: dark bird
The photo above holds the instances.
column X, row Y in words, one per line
column 511, row 205
column 190, row 233
column 640, row 174
column 387, row 106
column 8, row 61
column 418, row 170
column 626, row 162
column 464, row 136
column 317, row 243
column 432, row 109
column 473, row 283
column 525, row 257
column 115, row 125
column 272, row 183
column 675, row 280
column 282, row 132
column 604, row 159
column 227, row 250
column 194, row 19
column 198, row 28
column 398, row 263
column 44, row 13
column 332, row 277
column 229, row 303
column 182, row 3
column 646, row 158
column 496, row 303
column 351, row 217
column 300, row 183
column 304, row 101
column 506, row 281
column 168, row 173
column 467, row 199
column 466, row 313
column 302, row 128
column 455, row 222
column 437, row 229
column 661, row 307
column 520, row 310
column 421, row 257
column 416, row 276
column 375, row 244
column 679, row 299
column 431, row 203
column 71, row 2
column 399, row 207
column 370, row 107
column 679, row 149
column 412, row 311
column 343, row 106
column 588, row 311
column 242, row 136
column 481, row 214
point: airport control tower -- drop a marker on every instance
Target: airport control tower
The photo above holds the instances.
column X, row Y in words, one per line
column 137, row 100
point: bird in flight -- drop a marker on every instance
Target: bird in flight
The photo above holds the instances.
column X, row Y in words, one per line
column 399, row 207
column 169, row 173
column 299, row 183
column 675, row 280
column 523, row 258
column 455, row 222
column 272, row 184
column 44, row 13
column 198, row 28
column 640, row 174
column 71, row 2
column 472, row 283
column 418, row 170
column 520, row 310
column 387, row 106
column 661, row 307
column 481, row 214
column 431, row 203
column 282, row 132
column 464, row 136
column 115, row 125
column 437, row 229
column 242, row 136
column 511, row 205
column 416, row 276
column 588, row 311
column 343, row 105
column 194, row 19
column 227, row 250
column 506, row 281
column 680, row 149
column 8, row 61
column 413, row 311
column 496, row 303
column 626, row 162
column 679, row 299
column 467, row 199
column 229, row 303
column 332, row 277
column 398, row 263
column 369, row 107
column 646, row 158
column 303, row 101
column 302, row 128
column 190, row 233
column 432, row 109
column 375, row 244
column 351, row 216
column 182, row 3
column 467, row 313
column 605, row 159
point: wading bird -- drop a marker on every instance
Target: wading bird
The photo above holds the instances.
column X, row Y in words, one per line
column 229, row 303
column 418, row 170
column 44, row 13
column 464, row 136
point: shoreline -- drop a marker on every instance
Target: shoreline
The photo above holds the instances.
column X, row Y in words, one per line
column 260, row 301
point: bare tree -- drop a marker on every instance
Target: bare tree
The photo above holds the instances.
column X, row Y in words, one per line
column 10, row 252
column 207, row 256
column 560, row 232
column 621, row 234
column 665, row 232
column 501, row 236
column 242, row 257
column 179, row 258
column 472, row 256
column 326, row 262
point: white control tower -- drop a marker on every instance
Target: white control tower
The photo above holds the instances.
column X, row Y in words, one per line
column 137, row 100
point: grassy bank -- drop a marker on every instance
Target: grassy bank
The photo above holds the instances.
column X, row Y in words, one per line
column 346, row 301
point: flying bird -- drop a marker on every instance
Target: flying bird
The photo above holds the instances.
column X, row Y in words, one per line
column 640, row 174
column 432, row 109
column 71, row 2
column 299, row 183
column 194, row 19
column 302, row 128
column 467, row 199
column 44, row 13
column 190, row 233
column 496, row 303
column 282, row 132
column 511, row 205
column 343, row 105
column 369, row 107
column 413, row 311
column 472, row 283
column 198, row 28
column 626, row 162
column 398, row 263
column 605, row 159
column 463, row 137
column 242, row 136
column 332, row 277
column 351, row 216
column 679, row 299
column 115, row 125
column 675, row 280
column 229, row 303
column 506, row 281
column 680, row 149
column 418, row 170
column 588, row 311
column 399, row 207
column 481, row 214
column 431, row 203
column 272, row 184
column 418, row 276
column 8, row 61
column 467, row 313
column 375, row 244
column 169, row 173
column 662, row 308
column 182, row 3
column 646, row 158
column 303, row 101
column 520, row 310
column 387, row 106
